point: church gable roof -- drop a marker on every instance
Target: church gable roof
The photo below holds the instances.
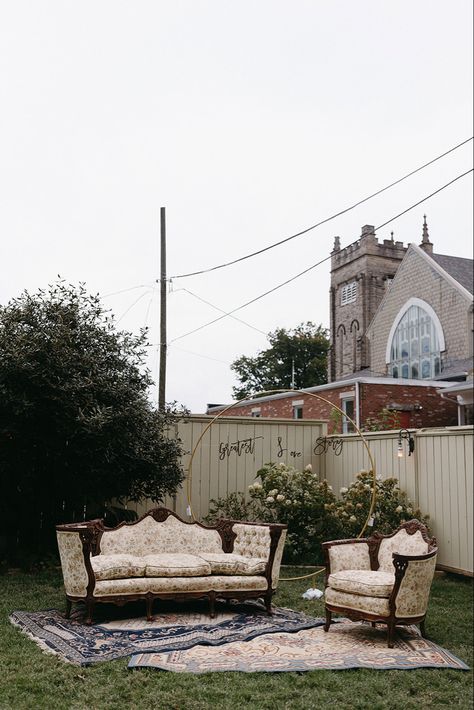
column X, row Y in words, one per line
column 459, row 268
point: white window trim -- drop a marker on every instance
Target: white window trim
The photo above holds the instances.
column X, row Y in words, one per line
column 255, row 410
column 429, row 310
column 297, row 403
column 347, row 397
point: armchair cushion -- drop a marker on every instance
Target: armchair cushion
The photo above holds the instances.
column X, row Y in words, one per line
column 228, row 563
column 364, row 582
column 357, row 602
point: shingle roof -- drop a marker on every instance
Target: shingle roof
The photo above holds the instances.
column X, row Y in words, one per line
column 459, row 268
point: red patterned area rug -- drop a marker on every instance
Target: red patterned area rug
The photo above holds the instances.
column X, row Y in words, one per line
column 346, row 645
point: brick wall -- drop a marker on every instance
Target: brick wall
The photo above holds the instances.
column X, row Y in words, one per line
column 434, row 411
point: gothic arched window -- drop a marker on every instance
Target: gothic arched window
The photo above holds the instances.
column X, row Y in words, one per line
column 415, row 344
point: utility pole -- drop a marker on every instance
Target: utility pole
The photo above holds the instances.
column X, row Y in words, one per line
column 163, row 346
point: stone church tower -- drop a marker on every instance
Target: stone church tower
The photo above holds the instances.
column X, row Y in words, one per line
column 360, row 275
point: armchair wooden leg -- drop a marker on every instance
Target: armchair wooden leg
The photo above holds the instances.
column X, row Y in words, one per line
column 422, row 628
column 328, row 620
column 68, row 608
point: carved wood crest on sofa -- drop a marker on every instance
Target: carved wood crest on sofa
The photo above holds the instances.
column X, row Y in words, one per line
column 383, row 578
column 160, row 556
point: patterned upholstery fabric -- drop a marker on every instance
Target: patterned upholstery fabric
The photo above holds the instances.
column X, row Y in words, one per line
column 412, row 597
column 227, row 563
column 173, row 585
column 364, row 582
column 403, row 543
column 277, row 559
column 117, row 566
column 72, row 562
column 349, row 556
column 370, row 605
column 252, row 541
column 149, row 537
column 176, row 565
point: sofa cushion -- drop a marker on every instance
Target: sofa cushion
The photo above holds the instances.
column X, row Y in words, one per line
column 172, row 585
column 365, row 582
column 117, row 566
column 228, row 563
column 169, row 564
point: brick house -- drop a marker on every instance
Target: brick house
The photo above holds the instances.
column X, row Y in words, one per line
column 414, row 403
column 401, row 331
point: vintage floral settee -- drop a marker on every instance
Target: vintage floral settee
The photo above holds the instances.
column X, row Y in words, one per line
column 383, row 578
column 162, row 557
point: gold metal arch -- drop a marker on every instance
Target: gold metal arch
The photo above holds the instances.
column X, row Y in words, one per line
column 280, row 391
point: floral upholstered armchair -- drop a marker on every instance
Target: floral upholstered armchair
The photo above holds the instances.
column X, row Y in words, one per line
column 383, row 578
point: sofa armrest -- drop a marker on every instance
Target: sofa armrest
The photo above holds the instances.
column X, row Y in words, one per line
column 261, row 541
column 413, row 578
column 340, row 555
column 76, row 543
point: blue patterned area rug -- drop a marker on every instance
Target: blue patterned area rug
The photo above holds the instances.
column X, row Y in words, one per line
column 125, row 631
column 346, row 645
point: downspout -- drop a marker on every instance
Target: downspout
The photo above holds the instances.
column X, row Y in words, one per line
column 357, row 404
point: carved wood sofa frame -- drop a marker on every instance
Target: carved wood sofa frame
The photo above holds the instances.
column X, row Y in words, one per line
column 91, row 531
column 400, row 562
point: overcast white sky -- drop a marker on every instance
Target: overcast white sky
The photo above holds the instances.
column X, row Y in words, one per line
column 248, row 121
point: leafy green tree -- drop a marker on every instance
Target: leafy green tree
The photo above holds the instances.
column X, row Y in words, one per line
column 76, row 425
column 302, row 351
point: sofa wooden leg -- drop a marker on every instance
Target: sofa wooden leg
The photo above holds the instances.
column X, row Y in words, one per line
column 212, row 604
column 268, row 603
column 422, row 628
column 68, row 608
column 149, row 608
column 328, row 620
column 89, row 611
column 391, row 633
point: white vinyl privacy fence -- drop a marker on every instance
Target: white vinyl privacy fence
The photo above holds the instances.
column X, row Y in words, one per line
column 437, row 476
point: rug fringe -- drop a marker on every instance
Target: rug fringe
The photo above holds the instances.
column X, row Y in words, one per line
column 39, row 642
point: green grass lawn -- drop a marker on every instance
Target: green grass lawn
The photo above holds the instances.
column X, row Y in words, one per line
column 32, row 679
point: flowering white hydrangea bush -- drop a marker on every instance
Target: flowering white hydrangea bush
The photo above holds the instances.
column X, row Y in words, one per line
column 392, row 506
column 285, row 494
column 311, row 510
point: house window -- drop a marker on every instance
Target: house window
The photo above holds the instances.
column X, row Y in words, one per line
column 348, row 293
column 347, row 406
column 255, row 412
column 298, row 409
column 415, row 348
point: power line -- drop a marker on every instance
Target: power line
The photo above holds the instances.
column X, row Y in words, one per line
column 203, row 300
column 142, row 295
column 313, row 266
column 125, row 290
column 324, row 221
